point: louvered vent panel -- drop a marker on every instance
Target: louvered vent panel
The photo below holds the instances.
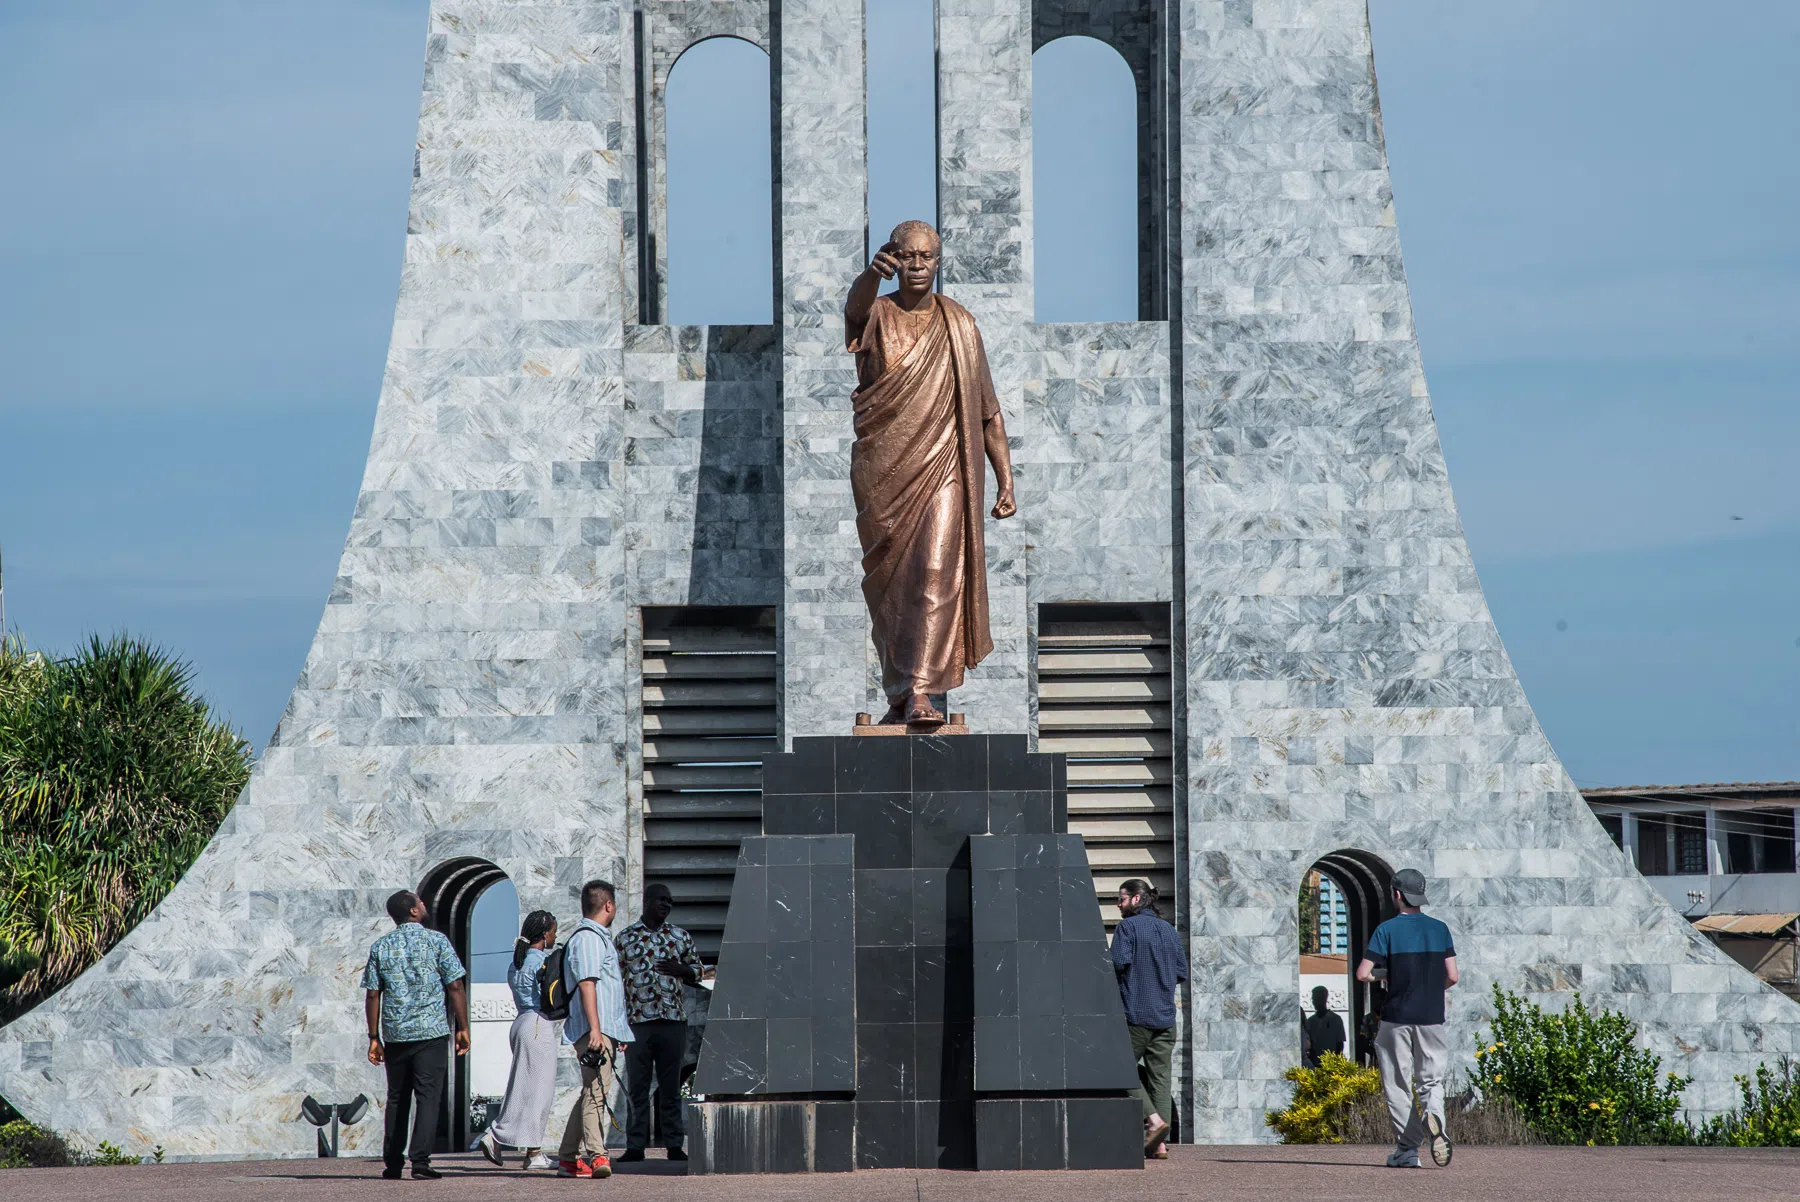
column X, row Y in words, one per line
column 1103, row 700
column 709, row 715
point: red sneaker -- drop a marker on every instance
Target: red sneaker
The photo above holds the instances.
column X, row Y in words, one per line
column 577, row 1168
column 600, row 1166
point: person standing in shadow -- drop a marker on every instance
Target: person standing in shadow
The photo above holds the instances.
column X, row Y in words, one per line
column 1324, row 1030
column 412, row 978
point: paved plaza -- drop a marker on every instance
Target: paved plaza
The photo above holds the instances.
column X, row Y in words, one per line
column 1238, row 1174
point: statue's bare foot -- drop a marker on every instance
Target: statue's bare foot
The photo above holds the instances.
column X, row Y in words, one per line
column 920, row 712
column 896, row 714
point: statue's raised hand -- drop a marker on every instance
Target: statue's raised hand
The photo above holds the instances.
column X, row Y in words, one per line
column 884, row 263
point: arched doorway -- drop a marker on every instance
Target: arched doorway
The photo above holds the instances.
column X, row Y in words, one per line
column 1354, row 895
column 450, row 893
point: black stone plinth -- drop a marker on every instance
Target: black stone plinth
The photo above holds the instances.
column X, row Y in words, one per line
column 771, row 1137
column 781, row 1017
column 938, row 827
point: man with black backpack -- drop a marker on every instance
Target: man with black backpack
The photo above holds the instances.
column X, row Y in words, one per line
column 586, row 969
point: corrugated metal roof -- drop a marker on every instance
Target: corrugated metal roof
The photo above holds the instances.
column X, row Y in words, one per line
column 1746, row 924
column 1737, row 786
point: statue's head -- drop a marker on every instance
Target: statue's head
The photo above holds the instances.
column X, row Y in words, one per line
column 918, row 247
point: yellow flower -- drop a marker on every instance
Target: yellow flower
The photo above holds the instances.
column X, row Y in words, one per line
column 1496, row 1078
column 1593, row 1105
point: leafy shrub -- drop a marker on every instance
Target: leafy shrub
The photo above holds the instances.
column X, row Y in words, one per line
column 109, row 1153
column 113, row 775
column 26, row 1145
column 1579, row 1077
column 1770, row 1115
column 1323, row 1100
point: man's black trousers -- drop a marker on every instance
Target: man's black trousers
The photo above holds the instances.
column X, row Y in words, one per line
column 415, row 1070
column 656, row 1050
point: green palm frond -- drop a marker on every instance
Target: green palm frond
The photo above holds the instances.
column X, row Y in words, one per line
column 113, row 775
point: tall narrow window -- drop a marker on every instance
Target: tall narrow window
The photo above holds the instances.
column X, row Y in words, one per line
column 1084, row 148
column 721, row 234
column 902, row 117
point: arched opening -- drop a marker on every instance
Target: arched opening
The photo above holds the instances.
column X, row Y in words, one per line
column 1343, row 897
column 720, row 237
column 453, row 893
column 1085, row 180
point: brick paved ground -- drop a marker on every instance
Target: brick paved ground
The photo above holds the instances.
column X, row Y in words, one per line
column 1253, row 1174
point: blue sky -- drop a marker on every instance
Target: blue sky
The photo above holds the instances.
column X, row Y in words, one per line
column 201, row 246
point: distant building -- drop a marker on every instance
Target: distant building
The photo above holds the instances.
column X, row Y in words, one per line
column 1723, row 855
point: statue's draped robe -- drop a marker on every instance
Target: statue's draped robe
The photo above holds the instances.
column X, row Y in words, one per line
column 918, row 475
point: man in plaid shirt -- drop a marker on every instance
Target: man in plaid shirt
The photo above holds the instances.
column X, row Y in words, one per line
column 657, row 960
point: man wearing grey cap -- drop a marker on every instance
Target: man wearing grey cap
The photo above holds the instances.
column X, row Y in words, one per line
column 1416, row 955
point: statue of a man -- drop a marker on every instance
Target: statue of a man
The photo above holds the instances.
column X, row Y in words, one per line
column 925, row 415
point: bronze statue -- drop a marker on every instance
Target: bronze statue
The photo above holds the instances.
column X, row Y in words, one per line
column 925, row 414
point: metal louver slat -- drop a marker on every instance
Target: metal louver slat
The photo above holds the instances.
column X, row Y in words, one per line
column 1104, row 691
column 708, row 718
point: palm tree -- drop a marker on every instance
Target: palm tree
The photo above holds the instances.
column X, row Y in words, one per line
column 113, row 775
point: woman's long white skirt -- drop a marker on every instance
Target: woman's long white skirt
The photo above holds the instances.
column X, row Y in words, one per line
column 531, row 1086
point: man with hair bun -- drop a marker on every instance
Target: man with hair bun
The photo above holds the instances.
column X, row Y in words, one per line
column 1147, row 955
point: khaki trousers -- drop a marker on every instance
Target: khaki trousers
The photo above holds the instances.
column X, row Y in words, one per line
column 585, row 1133
column 1412, row 1059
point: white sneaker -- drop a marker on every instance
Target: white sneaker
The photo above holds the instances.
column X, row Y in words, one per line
column 540, row 1161
column 488, row 1148
column 1403, row 1159
column 1440, row 1143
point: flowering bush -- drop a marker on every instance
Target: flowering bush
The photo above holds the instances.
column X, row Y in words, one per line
column 1770, row 1115
column 1323, row 1100
column 1579, row 1077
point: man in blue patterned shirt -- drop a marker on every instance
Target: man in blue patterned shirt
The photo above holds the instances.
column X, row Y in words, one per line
column 596, row 1027
column 411, row 975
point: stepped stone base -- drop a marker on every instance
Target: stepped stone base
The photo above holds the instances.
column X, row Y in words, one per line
column 981, row 1026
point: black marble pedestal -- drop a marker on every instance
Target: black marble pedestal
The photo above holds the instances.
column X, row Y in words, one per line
column 977, row 999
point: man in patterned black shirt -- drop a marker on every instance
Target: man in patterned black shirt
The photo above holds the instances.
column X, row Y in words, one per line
column 657, row 960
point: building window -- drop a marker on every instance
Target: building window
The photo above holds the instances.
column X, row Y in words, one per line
column 1653, row 845
column 1758, row 840
column 1614, row 826
column 1672, row 844
column 1690, row 843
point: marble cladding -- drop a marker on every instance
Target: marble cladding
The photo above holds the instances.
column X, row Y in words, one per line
column 984, row 205
column 542, row 464
column 1346, row 686
column 822, row 227
column 702, row 465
